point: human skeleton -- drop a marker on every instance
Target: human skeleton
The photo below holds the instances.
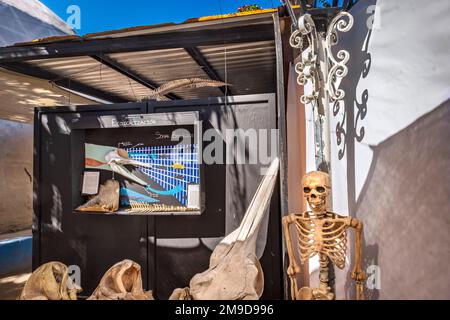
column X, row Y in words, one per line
column 324, row 233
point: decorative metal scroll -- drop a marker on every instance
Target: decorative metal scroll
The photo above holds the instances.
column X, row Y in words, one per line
column 309, row 70
column 307, row 67
column 338, row 69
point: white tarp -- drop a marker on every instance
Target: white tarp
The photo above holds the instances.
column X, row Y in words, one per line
column 26, row 20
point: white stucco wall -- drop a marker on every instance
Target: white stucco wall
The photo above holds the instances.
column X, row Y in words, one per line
column 16, row 170
column 395, row 148
column 21, row 21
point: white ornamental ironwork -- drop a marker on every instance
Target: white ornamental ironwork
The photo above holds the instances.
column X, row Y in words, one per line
column 322, row 71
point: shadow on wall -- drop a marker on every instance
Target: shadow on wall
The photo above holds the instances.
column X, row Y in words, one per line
column 348, row 117
column 351, row 112
column 20, row 94
column 402, row 200
column 403, row 206
column 181, row 270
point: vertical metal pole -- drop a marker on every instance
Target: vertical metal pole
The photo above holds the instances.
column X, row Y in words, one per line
column 323, row 156
column 291, row 12
column 324, row 109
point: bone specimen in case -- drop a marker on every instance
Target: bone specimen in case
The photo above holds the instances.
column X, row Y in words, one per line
column 107, row 200
column 50, row 281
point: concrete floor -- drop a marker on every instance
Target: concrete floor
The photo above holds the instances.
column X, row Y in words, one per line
column 24, row 233
column 11, row 285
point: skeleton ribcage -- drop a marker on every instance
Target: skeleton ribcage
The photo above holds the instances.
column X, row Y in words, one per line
column 326, row 236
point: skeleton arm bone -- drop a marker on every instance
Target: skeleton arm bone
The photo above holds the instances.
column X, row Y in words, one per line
column 358, row 275
column 293, row 268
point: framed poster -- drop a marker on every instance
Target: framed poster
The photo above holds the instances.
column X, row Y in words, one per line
column 156, row 158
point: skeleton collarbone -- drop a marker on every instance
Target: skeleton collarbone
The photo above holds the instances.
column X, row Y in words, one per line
column 324, row 235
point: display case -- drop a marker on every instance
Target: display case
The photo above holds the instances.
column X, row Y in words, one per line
column 155, row 158
column 170, row 246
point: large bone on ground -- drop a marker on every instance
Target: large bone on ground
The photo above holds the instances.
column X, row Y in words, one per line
column 234, row 270
column 107, row 200
column 122, row 281
column 50, row 281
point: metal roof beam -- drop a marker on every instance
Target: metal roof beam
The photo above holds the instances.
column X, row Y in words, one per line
column 198, row 57
column 159, row 41
column 124, row 70
column 66, row 83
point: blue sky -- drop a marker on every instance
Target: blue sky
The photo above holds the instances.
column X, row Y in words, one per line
column 101, row 15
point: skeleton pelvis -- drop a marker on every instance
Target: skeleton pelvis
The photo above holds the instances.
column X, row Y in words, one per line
column 307, row 293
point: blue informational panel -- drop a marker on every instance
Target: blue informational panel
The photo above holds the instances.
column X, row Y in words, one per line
column 156, row 161
column 175, row 168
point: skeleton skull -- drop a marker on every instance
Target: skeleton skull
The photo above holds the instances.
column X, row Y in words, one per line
column 316, row 188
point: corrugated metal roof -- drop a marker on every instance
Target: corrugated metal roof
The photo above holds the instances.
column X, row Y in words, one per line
column 93, row 73
column 20, row 94
column 248, row 67
column 166, row 65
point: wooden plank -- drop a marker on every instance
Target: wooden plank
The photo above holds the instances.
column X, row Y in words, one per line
column 36, row 223
column 281, row 107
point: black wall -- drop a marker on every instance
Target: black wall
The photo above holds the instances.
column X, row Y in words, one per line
column 170, row 249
